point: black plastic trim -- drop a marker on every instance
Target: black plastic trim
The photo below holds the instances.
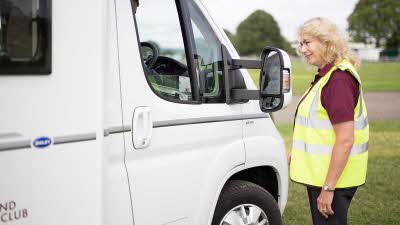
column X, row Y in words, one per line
column 245, row 64
column 244, row 94
column 188, row 38
column 226, row 58
column 234, row 96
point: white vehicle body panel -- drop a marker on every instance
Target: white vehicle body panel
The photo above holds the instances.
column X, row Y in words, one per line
column 91, row 174
column 172, row 170
column 52, row 183
column 259, row 132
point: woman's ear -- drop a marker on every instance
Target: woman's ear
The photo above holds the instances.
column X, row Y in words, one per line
column 328, row 51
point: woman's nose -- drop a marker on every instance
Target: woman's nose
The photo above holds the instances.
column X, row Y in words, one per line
column 303, row 49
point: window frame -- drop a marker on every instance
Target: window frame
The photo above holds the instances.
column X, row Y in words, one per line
column 188, row 41
column 44, row 65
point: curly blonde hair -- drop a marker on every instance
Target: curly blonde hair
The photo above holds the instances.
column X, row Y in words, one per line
column 335, row 46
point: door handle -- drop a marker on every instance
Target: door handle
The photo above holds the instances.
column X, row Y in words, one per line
column 142, row 127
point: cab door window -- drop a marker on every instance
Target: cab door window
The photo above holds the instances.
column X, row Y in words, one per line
column 175, row 38
column 163, row 49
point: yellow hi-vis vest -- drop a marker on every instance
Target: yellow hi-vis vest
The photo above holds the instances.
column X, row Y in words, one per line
column 314, row 138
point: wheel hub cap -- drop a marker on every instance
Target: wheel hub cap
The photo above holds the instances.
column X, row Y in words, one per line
column 246, row 214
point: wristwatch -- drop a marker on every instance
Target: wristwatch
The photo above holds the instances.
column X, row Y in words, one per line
column 326, row 188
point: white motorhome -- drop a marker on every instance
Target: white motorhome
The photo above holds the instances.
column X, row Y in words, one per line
column 115, row 118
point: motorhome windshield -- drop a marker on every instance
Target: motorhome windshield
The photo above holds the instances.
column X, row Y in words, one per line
column 24, row 36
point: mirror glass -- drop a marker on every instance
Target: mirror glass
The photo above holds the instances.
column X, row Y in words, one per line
column 271, row 79
column 270, row 82
column 270, row 103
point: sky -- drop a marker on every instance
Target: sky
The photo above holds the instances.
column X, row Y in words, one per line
column 289, row 14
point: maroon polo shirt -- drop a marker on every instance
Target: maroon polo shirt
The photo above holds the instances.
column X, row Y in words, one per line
column 340, row 95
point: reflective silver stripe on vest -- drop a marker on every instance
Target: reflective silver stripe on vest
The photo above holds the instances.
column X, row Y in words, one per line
column 312, row 121
column 326, row 150
column 326, row 124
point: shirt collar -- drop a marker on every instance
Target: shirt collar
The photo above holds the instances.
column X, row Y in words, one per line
column 322, row 71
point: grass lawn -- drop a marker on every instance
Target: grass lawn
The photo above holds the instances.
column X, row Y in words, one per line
column 380, row 76
column 375, row 203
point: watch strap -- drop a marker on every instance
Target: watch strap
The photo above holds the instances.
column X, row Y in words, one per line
column 326, row 188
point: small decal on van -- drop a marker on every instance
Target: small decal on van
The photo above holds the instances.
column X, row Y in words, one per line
column 42, row 142
column 10, row 212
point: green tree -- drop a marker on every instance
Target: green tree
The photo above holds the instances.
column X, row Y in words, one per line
column 377, row 22
column 258, row 31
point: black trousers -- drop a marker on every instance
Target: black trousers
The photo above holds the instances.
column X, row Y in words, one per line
column 340, row 205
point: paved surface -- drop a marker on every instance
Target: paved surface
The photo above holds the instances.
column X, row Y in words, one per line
column 380, row 106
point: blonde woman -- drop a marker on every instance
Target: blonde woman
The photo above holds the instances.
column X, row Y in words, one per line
column 330, row 140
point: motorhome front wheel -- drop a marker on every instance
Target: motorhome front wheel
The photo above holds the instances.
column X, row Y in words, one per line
column 243, row 202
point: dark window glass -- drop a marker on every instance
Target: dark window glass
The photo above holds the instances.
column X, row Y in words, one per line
column 25, row 37
column 163, row 49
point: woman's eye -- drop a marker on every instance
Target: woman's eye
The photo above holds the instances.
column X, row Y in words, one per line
column 304, row 43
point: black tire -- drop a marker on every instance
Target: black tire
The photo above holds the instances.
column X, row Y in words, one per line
column 238, row 192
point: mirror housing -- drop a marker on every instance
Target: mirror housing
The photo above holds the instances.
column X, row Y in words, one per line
column 275, row 87
column 275, row 80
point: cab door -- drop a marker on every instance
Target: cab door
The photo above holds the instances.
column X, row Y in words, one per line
column 181, row 138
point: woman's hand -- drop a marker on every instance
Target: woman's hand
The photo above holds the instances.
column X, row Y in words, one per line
column 324, row 203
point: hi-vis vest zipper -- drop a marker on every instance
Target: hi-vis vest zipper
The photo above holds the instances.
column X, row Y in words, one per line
column 314, row 138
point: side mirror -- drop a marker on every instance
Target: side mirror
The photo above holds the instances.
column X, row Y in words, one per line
column 274, row 79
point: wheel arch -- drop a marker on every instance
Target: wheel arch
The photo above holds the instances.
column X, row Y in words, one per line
column 264, row 176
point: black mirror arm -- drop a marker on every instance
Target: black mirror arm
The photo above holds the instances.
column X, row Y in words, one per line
column 245, row 64
column 234, row 64
column 244, row 94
